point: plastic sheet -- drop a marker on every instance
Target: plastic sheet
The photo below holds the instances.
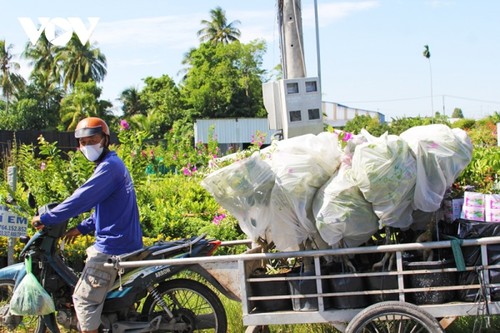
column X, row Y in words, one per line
column 342, row 212
column 301, row 165
column 441, row 154
column 385, row 171
column 244, row 189
column 472, row 255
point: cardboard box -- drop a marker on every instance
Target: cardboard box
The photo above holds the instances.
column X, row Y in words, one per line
column 473, row 208
column 473, row 213
column 492, row 201
column 491, row 215
column 452, row 209
column 473, row 199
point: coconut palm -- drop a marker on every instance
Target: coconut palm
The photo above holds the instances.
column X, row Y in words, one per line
column 217, row 30
column 42, row 57
column 83, row 102
column 81, row 63
column 132, row 104
column 10, row 80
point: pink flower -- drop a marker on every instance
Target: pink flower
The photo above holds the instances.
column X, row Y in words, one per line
column 218, row 218
column 43, row 166
column 124, row 125
column 186, row 171
column 347, row 136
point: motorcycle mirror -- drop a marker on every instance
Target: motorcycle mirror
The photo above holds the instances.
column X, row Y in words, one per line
column 24, row 239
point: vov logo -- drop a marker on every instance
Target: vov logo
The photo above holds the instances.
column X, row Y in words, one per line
column 58, row 30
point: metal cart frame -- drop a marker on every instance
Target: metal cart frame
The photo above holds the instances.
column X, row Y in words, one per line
column 233, row 272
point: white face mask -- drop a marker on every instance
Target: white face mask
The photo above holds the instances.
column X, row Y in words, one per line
column 92, row 152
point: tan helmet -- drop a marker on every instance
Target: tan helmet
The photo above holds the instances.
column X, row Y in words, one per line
column 91, row 126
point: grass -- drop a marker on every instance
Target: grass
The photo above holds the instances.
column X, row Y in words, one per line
column 235, row 323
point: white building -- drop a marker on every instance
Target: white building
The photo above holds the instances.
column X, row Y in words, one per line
column 240, row 132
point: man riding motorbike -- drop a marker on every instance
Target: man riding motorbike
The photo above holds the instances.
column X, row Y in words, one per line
column 114, row 220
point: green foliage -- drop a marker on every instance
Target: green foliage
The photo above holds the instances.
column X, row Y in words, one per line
column 457, row 113
column 483, row 133
column 8, row 120
column 224, row 80
column 83, row 102
column 161, row 99
column 166, row 210
column 371, row 124
column 399, row 125
column 11, row 80
column 464, row 123
column 218, row 30
column 131, row 101
column 483, row 170
column 80, row 62
column 51, row 176
column 132, row 152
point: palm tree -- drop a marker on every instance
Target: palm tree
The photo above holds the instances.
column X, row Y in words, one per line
column 81, row 63
column 42, row 58
column 131, row 100
column 83, row 102
column 218, row 30
column 10, row 80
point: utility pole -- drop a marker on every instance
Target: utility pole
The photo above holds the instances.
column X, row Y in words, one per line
column 293, row 103
column 290, row 19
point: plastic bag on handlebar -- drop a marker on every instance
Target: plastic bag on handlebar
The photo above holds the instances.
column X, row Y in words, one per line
column 29, row 298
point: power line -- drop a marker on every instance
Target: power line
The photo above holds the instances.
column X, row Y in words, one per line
column 473, row 99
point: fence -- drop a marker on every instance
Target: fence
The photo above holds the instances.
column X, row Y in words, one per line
column 65, row 140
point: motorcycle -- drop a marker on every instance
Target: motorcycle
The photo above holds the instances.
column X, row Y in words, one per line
column 143, row 299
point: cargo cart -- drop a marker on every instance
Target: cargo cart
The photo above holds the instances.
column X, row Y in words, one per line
column 414, row 296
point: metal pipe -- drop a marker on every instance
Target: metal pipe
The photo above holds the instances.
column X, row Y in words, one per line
column 312, row 253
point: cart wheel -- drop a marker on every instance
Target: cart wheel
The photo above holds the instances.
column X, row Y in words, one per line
column 391, row 317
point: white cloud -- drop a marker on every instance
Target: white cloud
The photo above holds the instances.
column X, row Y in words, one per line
column 259, row 24
column 334, row 11
column 176, row 32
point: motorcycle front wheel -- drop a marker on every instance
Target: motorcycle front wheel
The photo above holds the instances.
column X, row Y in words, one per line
column 192, row 303
column 12, row 323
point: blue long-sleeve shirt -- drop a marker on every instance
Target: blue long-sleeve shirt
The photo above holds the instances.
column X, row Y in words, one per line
column 115, row 218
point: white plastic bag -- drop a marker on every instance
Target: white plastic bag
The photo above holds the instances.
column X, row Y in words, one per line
column 385, row 171
column 342, row 213
column 301, row 165
column 441, row 153
column 29, row 298
column 244, row 189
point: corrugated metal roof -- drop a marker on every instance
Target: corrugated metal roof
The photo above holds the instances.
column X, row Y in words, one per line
column 232, row 130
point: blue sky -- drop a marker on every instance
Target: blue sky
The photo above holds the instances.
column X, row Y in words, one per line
column 370, row 50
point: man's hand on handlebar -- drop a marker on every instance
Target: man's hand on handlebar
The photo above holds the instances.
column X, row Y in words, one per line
column 35, row 222
column 71, row 235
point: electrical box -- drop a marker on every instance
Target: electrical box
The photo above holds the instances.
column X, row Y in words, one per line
column 294, row 106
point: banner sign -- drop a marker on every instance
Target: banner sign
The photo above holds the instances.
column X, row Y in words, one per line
column 12, row 225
